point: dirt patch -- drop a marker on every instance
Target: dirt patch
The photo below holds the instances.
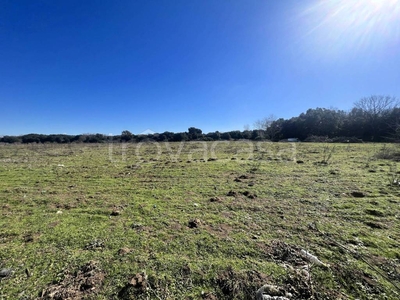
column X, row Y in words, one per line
column 232, row 194
column 240, row 285
column 297, row 283
column 175, row 226
column 355, row 279
column 220, row 230
column 124, row 251
column 282, row 252
column 216, row 199
column 31, row 237
column 136, row 287
column 53, row 224
column 194, row 223
column 86, row 281
column 62, row 206
column 245, row 193
column 115, row 213
column 249, row 195
column 357, row 194
column 209, row 296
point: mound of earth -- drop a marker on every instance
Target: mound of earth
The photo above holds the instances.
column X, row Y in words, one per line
column 87, row 280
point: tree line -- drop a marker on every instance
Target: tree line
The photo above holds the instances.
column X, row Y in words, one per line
column 193, row 134
column 374, row 119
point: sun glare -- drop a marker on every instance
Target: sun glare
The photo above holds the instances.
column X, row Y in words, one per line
column 356, row 25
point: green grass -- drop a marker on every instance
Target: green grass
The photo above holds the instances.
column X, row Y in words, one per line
column 154, row 191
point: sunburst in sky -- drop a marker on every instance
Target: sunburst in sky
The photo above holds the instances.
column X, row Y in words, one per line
column 352, row 26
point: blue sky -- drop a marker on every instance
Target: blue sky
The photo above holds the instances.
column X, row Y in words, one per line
column 107, row 66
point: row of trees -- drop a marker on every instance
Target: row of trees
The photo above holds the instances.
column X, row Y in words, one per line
column 375, row 118
column 193, row 134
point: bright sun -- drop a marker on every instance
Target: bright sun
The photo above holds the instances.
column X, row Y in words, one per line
column 353, row 24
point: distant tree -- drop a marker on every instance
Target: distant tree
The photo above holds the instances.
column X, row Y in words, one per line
column 180, row 136
column 246, row 134
column 265, row 125
column 393, row 125
column 10, row 139
column 95, row 138
column 126, row 136
column 215, row 136
column 355, row 124
column 236, row 134
column 258, row 134
column 225, row 136
column 194, row 133
column 321, row 122
column 166, row 136
column 375, row 110
column 31, row 138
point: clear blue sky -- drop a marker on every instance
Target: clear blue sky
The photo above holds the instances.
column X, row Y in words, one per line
column 105, row 66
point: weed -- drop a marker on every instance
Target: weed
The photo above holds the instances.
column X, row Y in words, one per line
column 327, row 152
column 390, row 152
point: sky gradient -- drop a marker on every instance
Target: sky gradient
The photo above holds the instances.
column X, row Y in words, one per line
column 107, row 66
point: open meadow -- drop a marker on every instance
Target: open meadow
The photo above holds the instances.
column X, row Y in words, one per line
column 199, row 220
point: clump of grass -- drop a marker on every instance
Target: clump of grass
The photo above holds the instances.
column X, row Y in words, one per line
column 327, row 152
column 389, row 152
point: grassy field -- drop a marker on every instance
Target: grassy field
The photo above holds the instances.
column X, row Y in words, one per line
column 198, row 221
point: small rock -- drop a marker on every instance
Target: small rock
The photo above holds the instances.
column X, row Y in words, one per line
column 272, row 292
column 59, row 212
column 5, row 273
column 115, row 213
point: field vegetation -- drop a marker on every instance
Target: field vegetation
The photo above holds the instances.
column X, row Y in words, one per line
column 199, row 220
